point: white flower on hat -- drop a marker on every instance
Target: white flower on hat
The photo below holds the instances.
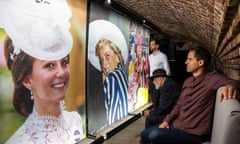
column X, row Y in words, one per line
column 40, row 28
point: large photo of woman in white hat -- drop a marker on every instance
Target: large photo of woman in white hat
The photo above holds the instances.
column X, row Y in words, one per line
column 37, row 45
column 107, row 52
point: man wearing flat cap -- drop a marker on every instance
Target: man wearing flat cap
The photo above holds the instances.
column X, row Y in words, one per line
column 164, row 96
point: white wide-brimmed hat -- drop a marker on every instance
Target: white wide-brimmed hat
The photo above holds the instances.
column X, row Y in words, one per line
column 103, row 29
column 40, row 28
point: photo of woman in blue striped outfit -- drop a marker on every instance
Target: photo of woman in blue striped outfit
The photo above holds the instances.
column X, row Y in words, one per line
column 114, row 78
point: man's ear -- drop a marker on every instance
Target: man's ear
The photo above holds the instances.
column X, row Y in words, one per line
column 201, row 62
column 27, row 83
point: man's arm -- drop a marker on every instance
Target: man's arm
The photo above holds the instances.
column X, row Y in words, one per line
column 228, row 92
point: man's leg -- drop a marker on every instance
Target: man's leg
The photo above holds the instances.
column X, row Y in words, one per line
column 155, row 135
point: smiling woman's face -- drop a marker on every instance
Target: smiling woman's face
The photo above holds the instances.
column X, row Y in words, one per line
column 108, row 58
column 49, row 80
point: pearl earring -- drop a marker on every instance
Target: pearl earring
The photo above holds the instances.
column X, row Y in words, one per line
column 31, row 94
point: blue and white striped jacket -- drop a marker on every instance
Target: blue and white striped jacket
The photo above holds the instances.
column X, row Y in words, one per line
column 115, row 94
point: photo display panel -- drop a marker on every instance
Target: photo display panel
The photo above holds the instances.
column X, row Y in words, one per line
column 117, row 67
column 76, row 91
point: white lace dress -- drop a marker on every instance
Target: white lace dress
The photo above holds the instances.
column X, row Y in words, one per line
column 65, row 129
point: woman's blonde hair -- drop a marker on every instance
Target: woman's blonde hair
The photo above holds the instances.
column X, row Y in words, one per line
column 105, row 42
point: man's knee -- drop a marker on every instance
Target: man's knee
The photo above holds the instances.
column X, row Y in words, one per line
column 154, row 135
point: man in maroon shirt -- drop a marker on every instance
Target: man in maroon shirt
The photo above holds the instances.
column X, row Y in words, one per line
column 190, row 120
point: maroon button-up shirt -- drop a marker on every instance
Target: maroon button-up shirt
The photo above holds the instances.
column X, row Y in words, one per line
column 194, row 110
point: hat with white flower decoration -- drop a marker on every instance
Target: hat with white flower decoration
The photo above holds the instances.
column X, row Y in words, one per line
column 40, row 28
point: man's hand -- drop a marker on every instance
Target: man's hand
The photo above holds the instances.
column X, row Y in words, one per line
column 227, row 92
column 164, row 124
column 146, row 112
column 156, row 83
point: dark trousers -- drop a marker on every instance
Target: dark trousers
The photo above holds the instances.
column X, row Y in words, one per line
column 171, row 135
column 153, row 119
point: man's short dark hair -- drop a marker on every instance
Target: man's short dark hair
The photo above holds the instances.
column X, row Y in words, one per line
column 156, row 40
column 202, row 54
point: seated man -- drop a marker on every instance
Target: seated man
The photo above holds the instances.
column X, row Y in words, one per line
column 190, row 120
column 164, row 96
